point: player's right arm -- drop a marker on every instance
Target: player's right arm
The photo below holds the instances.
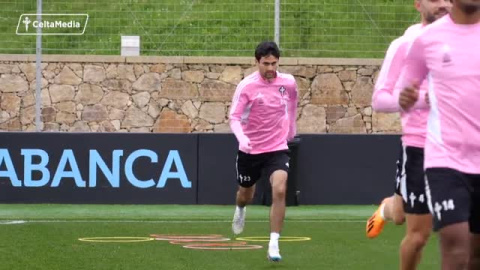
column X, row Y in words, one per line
column 239, row 104
column 385, row 99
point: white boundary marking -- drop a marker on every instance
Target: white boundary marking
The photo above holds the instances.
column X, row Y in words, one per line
column 5, row 222
column 11, row 222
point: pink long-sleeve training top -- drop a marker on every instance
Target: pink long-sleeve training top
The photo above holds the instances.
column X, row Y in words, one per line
column 264, row 112
column 448, row 54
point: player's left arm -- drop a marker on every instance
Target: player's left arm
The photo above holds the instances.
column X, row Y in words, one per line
column 384, row 98
column 414, row 72
column 292, row 110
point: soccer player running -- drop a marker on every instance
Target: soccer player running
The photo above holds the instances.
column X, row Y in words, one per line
column 262, row 117
column 447, row 52
column 409, row 201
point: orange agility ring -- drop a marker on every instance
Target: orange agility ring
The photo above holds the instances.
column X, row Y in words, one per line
column 186, row 241
column 186, row 236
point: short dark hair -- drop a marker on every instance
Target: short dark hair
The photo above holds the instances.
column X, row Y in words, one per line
column 267, row 48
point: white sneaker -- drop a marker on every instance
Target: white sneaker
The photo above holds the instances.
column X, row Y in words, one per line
column 273, row 254
column 239, row 220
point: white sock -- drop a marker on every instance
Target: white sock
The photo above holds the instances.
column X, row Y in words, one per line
column 274, row 239
column 240, row 208
column 382, row 211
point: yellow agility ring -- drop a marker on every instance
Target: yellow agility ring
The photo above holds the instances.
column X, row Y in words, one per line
column 116, row 239
column 266, row 238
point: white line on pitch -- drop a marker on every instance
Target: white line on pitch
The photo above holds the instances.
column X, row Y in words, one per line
column 7, row 222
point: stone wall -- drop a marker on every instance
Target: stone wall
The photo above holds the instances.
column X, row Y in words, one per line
column 179, row 94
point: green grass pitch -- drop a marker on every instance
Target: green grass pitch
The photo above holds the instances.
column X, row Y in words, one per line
column 49, row 238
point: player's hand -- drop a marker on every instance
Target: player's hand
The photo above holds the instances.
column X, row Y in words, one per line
column 408, row 96
column 245, row 145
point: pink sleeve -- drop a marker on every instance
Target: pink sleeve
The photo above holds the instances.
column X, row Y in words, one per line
column 385, row 99
column 415, row 70
column 239, row 103
column 292, row 112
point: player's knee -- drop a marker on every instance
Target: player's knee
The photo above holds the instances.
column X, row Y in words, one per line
column 451, row 239
column 249, row 197
column 279, row 191
column 419, row 239
column 245, row 196
column 454, row 248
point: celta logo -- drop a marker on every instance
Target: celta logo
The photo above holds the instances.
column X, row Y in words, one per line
column 52, row 24
column 26, row 21
column 111, row 173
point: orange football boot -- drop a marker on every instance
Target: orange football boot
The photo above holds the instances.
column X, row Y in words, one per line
column 376, row 223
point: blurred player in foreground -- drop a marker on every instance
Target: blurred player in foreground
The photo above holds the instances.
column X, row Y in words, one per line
column 409, row 201
column 447, row 53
